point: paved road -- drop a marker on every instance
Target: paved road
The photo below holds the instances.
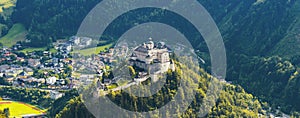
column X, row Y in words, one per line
column 125, row 86
column 131, row 84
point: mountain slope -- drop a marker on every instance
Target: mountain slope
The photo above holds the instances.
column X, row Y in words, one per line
column 272, row 21
column 49, row 20
column 248, row 27
column 6, row 9
column 233, row 100
column 256, row 32
column 254, row 29
column 289, row 45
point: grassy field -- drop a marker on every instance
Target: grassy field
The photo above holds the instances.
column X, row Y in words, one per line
column 15, row 34
column 90, row 51
column 32, row 50
column 6, row 4
column 26, row 50
column 17, row 109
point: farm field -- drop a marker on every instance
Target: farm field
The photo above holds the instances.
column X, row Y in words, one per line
column 6, row 4
column 15, row 34
column 30, row 49
column 90, row 51
column 18, row 109
column 33, row 49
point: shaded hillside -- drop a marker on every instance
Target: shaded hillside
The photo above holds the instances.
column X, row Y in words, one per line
column 272, row 79
column 289, row 45
column 48, row 20
column 233, row 101
column 248, row 27
column 252, row 28
column 255, row 32
column 6, row 9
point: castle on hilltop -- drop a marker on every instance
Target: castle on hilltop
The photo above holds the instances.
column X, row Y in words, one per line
column 153, row 57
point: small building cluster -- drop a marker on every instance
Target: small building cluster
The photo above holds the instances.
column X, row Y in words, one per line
column 74, row 41
column 81, row 41
column 56, row 70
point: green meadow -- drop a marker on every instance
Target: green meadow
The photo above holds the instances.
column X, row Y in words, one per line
column 18, row 109
column 15, row 34
column 90, row 51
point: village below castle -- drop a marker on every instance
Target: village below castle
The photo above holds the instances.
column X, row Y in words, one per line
column 55, row 70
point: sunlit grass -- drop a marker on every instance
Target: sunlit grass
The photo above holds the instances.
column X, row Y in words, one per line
column 6, row 4
column 17, row 109
column 90, row 51
column 33, row 49
column 15, row 34
column 30, row 49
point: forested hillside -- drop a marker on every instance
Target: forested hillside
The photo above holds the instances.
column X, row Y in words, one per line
column 261, row 42
column 6, row 9
column 275, row 80
column 274, row 21
column 233, row 101
column 261, row 38
column 49, row 20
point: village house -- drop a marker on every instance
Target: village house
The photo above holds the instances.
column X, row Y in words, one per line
column 34, row 62
column 9, row 79
column 55, row 95
column 51, row 80
column 23, row 75
column 85, row 41
column 3, row 68
column 2, row 74
column 86, row 79
column 65, row 47
column 13, row 72
column 75, row 40
column 81, row 41
column 47, row 53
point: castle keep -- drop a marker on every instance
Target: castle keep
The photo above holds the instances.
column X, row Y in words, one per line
column 152, row 57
